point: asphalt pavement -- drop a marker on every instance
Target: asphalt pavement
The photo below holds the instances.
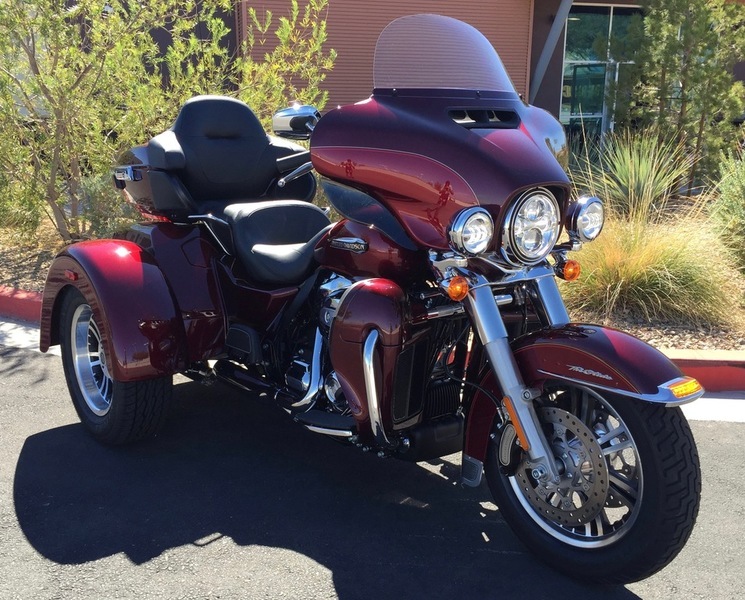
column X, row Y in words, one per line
column 233, row 500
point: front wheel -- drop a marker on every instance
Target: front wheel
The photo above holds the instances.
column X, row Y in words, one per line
column 628, row 494
column 114, row 412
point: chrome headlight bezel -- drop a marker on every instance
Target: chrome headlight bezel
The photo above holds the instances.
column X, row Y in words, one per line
column 465, row 220
column 579, row 213
column 513, row 249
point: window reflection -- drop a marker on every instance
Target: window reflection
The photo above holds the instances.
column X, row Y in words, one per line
column 600, row 44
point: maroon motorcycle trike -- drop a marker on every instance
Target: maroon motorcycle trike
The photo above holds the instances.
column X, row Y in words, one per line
column 425, row 321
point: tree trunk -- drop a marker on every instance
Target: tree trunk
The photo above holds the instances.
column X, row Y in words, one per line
column 697, row 152
column 52, row 195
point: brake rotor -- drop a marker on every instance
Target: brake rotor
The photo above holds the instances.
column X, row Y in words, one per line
column 580, row 494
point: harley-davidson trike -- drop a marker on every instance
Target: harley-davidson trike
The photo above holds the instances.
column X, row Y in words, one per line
column 426, row 321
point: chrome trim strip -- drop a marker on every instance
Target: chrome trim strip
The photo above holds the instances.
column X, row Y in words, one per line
column 663, row 396
column 373, row 400
column 345, row 433
column 445, row 311
column 351, row 244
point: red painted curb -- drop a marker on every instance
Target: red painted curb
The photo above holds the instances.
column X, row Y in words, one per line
column 715, row 376
column 20, row 305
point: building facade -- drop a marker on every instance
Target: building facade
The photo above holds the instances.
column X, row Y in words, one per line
column 561, row 55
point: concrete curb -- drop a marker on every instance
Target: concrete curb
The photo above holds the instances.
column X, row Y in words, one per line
column 717, row 370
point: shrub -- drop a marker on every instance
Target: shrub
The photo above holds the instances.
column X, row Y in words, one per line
column 79, row 85
column 677, row 271
column 729, row 208
column 103, row 207
column 634, row 172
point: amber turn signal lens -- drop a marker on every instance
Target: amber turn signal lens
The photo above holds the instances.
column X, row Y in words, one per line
column 685, row 387
column 568, row 270
column 458, row 288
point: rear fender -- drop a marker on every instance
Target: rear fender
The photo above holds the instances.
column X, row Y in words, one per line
column 589, row 355
column 141, row 330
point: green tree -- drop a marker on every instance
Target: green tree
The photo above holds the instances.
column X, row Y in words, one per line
column 684, row 82
column 294, row 65
column 82, row 81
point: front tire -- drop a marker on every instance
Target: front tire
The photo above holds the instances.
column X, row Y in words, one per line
column 629, row 492
column 114, row 412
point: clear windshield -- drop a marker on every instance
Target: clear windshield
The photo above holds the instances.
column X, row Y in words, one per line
column 432, row 51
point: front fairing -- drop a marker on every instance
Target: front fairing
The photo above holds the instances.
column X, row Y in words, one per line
column 437, row 137
column 406, row 150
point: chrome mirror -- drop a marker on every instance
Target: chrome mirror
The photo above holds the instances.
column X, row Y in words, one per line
column 296, row 121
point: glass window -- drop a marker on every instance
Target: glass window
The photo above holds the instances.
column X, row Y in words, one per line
column 600, row 40
column 584, row 89
column 625, row 35
column 587, row 33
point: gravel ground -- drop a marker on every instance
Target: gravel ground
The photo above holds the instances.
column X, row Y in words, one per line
column 25, row 267
column 685, row 337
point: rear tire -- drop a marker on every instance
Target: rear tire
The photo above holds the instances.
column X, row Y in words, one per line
column 114, row 412
column 629, row 495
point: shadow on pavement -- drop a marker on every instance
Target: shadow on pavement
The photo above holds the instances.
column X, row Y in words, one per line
column 15, row 361
column 239, row 468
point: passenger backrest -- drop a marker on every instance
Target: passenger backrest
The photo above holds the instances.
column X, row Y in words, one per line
column 216, row 154
column 227, row 153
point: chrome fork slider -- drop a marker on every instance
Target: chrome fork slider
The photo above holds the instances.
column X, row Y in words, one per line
column 487, row 320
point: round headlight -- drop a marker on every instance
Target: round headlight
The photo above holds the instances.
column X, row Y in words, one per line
column 531, row 228
column 585, row 218
column 471, row 231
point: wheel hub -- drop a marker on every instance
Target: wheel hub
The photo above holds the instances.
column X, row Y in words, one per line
column 581, row 491
column 89, row 362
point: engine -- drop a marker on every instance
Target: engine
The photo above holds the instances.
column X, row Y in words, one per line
column 309, row 373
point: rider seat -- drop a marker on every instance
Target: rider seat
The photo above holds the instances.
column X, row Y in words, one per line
column 217, row 159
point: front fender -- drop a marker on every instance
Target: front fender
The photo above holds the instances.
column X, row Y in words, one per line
column 602, row 358
column 141, row 331
column 590, row 355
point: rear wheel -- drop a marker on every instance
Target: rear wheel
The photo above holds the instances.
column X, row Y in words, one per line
column 628, row 494
column 115, row 412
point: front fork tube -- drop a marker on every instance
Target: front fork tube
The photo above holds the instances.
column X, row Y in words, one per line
column 487, row 320
column 547, row 298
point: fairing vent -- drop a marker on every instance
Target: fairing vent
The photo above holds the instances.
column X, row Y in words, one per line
column 472, row 118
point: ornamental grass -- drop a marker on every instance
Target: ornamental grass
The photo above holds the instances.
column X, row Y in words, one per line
column 660, row 257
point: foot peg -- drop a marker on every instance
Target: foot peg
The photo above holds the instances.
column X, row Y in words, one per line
column 327, row 423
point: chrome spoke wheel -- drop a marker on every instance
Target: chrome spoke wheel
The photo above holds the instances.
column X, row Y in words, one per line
column 597, row 499
column 89, row 361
